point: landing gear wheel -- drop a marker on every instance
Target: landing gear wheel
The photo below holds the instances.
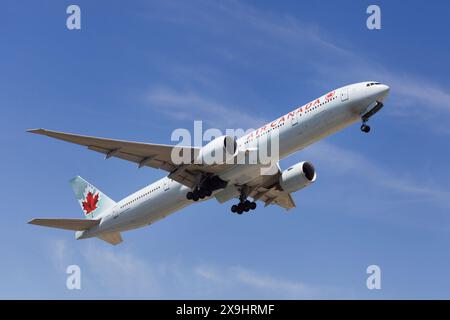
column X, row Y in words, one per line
column 197, row 194
column 246, row 205
column 365, row 128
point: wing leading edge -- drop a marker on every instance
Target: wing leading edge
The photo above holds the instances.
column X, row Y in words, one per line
column 158, row 156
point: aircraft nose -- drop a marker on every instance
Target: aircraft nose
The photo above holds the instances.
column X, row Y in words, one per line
column 385, row 88
column 382, row 91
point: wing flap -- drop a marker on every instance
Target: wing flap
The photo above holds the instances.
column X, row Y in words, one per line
column 67, row 224
column 273, row 196
column 267, row 189
column 113, row 238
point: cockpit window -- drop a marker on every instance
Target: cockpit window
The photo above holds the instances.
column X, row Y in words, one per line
column 372, row 84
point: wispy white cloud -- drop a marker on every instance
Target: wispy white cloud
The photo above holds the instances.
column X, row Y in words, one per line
column 109, row 272
column 189, row 105
column 106, row 272
column 60, row 254
column 284, row 287
column 208, row 273
column 120, row 273
column 345, row 163
column 260, row 284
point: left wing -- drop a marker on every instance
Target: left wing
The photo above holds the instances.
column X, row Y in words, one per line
column 157, row 156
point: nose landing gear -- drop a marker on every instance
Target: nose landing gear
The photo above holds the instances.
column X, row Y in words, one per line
column 365, row 128
column 365, row 117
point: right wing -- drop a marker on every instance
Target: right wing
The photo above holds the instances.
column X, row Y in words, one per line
column 273, row 196
column 67, row 224
column 266, row 188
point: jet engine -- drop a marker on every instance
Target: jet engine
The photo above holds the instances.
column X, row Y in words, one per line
column 218, row 151
column 297, row 177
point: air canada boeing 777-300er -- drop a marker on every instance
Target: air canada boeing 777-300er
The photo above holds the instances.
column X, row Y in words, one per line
column 194, row 180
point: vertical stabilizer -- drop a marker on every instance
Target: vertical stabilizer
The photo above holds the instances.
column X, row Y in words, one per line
column 92, row 201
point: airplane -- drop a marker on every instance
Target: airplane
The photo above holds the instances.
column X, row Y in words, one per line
column 193, row 181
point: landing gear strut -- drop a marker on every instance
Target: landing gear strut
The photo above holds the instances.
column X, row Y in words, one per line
column 364, row 127
column 244, row 205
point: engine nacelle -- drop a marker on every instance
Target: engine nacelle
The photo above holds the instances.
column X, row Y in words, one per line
column 218, row 151
column 297, row 177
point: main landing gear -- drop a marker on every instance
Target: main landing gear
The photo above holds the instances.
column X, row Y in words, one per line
column 364, row 127
column 206, row 186
column 244, row 205
column 198, row 193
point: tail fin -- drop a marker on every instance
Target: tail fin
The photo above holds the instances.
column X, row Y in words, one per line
column 92, row 201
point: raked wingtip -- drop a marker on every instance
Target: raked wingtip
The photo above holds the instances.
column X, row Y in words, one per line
column 37, row 131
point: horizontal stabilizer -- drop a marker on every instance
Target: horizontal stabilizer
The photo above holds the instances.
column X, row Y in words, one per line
column 112, row 238
column 67, row 224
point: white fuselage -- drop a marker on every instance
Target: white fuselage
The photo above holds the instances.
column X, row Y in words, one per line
column 295, row 131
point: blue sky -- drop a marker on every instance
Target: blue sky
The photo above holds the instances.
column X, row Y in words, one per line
column 139, row 70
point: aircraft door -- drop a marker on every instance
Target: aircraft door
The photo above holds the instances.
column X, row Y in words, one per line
column 344, row 94
column 294, row 120
column 116, row 212
column 166, row 185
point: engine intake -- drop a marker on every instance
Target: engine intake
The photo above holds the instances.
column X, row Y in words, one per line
column 218, row 151
column 297, row 177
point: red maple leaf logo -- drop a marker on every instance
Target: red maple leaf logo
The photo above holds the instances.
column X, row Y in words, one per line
column 90, row 204
column 328, row 96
